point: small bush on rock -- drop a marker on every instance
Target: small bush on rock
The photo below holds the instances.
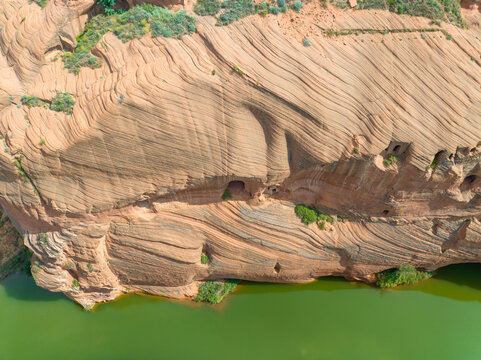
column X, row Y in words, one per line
column 404, row 274
column 214, row 291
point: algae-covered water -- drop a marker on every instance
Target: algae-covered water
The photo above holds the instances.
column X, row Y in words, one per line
column 327, row 319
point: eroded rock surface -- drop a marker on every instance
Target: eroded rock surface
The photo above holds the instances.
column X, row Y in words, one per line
column 125, row 194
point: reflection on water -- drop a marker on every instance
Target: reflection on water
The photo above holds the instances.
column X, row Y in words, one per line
column 326, row 319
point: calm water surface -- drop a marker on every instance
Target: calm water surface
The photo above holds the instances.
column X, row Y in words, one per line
column 327, row 319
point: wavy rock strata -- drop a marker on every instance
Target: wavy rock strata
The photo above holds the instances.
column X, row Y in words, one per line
column 125, row 194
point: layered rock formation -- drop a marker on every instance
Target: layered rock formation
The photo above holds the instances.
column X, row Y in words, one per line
column 125, row 194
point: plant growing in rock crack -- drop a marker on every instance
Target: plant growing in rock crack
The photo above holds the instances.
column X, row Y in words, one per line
column 226, row 195
column 391, row 159
column 204, row 259
column 307, row 214
column 306, row 42
column 75, row 284
column 90, row 267
column 235, row 10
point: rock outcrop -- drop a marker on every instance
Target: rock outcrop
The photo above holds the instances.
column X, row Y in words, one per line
column 125, row 194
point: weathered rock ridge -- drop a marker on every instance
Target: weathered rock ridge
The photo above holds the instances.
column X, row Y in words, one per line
column 127, row 189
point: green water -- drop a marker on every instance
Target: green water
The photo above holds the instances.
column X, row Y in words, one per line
column 327, row 319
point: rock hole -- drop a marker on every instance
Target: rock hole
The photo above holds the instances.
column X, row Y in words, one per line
column 385, row 212
column 396, row 148
column 277, row 267
column 473, row 150
column 469, row 182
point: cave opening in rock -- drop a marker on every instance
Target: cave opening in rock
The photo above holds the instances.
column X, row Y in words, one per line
column 469, row 182
column 396, row 148
column 385, row 212
column 236, row 187
column 277, row 267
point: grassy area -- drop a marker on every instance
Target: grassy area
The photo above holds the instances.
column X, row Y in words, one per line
column 403, row 275
column 132, row 24
column 214, row 291
column 437, row 10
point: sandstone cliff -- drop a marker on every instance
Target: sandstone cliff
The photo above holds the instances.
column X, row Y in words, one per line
column 381, row 128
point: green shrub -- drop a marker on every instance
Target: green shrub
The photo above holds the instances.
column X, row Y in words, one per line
column 207, row 7
column 235, row 10
column 274, row 10
column 404, row 274
column 323, row 217
column 32, row 101
column 90, row 267
column 62, row 102
column 214, row 291
column 356, row 150
column 42, row 142
column 306, row 42
column 75, row 284
column 307, row 214
column 322, row 225
column 227, row 195
column 213, row 72
column 204, row 259
column 297, row 6
column 449, row 37
column 281, row 3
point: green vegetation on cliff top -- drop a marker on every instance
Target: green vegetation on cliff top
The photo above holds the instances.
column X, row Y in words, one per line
column 132, row 24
